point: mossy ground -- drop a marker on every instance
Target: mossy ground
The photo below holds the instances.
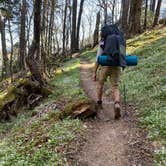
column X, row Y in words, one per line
column 31, row 139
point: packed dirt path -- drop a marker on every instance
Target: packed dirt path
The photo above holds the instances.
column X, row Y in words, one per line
column 110, row 142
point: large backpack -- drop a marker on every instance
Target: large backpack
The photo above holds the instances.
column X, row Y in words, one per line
column 114, row 45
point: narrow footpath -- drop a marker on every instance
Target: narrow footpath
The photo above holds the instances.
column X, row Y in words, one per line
column 111, row 142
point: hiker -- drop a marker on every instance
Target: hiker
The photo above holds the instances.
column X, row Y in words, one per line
column 110, row 44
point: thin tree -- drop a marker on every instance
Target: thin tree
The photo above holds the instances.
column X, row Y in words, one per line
column 78, row 24
column 43, row 35
column 51, row 22
column 125, row 15
column 105, row 10
column 157, row 13
column 5, row 65
column 9, row 18
column 103, row 4
column 74, row 20
column 22, row 48
column 145, row 17
column 64, row 27
column 152, row 5
column 113, row 11
column 11, row 49
column 96, row 32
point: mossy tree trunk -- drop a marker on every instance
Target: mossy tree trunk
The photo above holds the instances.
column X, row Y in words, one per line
column 35, row 46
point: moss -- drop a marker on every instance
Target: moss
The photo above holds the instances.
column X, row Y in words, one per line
column 73, row 106
column 6, row 97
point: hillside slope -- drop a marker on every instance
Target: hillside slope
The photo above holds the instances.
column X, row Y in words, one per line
column 38, row 138
column 146, row 86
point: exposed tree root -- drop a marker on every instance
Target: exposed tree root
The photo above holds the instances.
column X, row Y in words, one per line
column 23, row 93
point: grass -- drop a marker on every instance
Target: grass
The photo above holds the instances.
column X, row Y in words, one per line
column 32, row 140
column 146, row 85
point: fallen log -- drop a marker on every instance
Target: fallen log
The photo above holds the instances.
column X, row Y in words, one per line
column 81, row 108
column 23, row 93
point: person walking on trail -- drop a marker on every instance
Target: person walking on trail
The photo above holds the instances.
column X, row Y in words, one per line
column 113, row 44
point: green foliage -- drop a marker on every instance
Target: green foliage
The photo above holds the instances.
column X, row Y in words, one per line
column 146, row 85
column 67, row 83
column 47, row 146
column 150, row 17
column 34, row 140
column 90, row 54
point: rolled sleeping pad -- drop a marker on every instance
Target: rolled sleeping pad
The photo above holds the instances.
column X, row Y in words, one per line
column 131, row 60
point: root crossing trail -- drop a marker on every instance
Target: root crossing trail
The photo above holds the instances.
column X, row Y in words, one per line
column 109, row 142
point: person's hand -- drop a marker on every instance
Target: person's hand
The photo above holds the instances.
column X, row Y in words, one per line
column 94, row 77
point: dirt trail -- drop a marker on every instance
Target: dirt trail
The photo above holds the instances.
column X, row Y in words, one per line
column 110, row 143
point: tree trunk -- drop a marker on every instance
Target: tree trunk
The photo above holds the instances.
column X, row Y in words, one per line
column 157, row 13
column 152, row 5
column 29, row 21
column 43, row 35
column 51, row 27
column 83, row 36
column 105, row 11
column 125, row 11
column 145, row 18
column 5, row 65
column 64, row 28
column 135, row 16
column 69, row 26
column 113, row 11
column 96, row 32
column 78, row 24
column 11, row 52
column 74, row 19
column 22, row 49
column 37, row 25
column 34, row 48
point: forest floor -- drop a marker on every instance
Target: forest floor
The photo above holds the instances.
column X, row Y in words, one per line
column 36, row 137
column 111, row 142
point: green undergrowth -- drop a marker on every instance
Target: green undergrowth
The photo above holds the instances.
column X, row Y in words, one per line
column 146, row 85
column 90, row 54
column 66, row 81
column 36, row 137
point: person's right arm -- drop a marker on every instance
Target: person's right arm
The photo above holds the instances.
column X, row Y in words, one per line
column 99, row 52
column 95, row 71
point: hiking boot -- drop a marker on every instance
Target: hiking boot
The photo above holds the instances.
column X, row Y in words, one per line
column 99, row 104
column 117, row 110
